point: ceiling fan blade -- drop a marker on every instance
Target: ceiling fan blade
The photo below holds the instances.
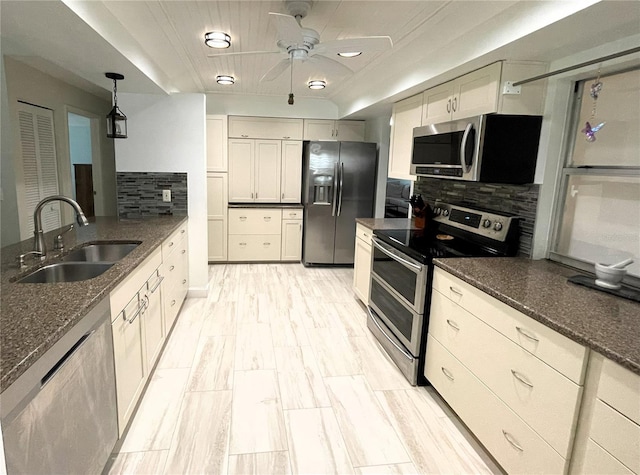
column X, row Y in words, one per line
column 223, row 55
column 367, row 44
column 329, row 66
column 288, row 29
column 276, row 71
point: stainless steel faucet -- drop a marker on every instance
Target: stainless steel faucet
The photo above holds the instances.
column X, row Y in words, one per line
column 39, row 244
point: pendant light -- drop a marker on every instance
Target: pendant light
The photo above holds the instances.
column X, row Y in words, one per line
column 116, row 120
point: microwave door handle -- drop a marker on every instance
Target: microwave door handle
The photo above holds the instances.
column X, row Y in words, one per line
column 463, row 147
column 335, row 189
column 340, row 190
column 395, row 257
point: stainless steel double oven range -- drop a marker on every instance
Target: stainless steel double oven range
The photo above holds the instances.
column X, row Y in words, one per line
column 402, row 272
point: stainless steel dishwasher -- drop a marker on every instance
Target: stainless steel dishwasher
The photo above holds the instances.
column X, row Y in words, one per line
column 60, row 415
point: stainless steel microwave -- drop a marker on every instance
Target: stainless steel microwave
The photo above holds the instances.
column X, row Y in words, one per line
column 488, row 148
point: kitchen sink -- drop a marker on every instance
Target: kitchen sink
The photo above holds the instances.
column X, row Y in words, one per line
column 101, row 252
column 66, row 272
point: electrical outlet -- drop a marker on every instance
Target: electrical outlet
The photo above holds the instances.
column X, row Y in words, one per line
column 166, row 195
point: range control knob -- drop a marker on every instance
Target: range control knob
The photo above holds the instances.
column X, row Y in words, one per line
column 445, row 212
column 486, row 223
column 497, row 226
column 437, row 211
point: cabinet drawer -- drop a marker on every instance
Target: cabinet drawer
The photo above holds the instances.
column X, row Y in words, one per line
column 616, row 434
column 172, row 241
column 542, row 397
column 254, row 247
column 255, row 221
column 291, row 213
column 598, row 461
column 620, row 388
column 364, row 233
column 561, row 353
column 510, row 441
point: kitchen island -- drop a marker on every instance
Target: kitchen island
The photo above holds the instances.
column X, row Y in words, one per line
column 35, row 316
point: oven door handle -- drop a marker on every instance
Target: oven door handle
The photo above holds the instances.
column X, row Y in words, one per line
column 395, row 257
column 398, row 347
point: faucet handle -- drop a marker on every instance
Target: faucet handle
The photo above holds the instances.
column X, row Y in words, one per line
column 21, row 258
column 58, row 244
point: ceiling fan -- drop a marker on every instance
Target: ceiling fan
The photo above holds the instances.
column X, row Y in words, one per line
column 303, row 44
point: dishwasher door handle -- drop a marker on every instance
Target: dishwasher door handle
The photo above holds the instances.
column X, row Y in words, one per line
column 56, row 367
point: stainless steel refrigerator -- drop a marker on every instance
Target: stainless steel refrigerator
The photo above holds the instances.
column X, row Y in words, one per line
column 338, row 187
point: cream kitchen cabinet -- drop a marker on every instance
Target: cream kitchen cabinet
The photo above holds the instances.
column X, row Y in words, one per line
column 175, row 269
column 490, row 362
column 362, row 263
column 217, row 201
column 291, row 174
column 608, row 439
column 254, row 170
column 216, row 143
column 137, row 331
column 255, row 234
column 482, row 92
column 291, row 235
column 265, row 128
column 345, row 130
column 406, row 115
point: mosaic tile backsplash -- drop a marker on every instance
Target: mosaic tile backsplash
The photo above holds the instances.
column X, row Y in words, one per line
column 521, row 200
column 140, row 194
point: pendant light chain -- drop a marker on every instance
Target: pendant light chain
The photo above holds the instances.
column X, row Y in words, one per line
column 115, row 92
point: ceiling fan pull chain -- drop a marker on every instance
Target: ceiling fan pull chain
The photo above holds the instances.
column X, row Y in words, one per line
column 291, row 84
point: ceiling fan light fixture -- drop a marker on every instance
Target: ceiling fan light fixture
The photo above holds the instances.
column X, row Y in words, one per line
column 225, row 80
column 217, row 39
column 317, row 84
column 350, row 54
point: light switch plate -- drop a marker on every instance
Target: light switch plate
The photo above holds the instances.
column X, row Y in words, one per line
column 166, row 195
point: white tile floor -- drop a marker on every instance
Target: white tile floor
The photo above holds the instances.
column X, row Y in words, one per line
column 276, row 372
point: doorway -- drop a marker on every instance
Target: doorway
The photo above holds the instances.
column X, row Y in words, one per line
column 81, row 157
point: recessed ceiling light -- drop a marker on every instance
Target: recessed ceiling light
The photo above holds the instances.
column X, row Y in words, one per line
column 217, row 39
column 225, row 80
column 350, row 54
column 316, row 84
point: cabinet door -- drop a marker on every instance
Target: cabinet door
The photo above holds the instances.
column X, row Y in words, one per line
column 152, row 321
column 217, row 216
column 350, row 130
column 437, row 104
column 406, row 116
column 477, row 92
column 291, row 240
column 241, row 159
column 362, row 270
column 265, row 128
column 267, row 171
column 291, row 184
column 317, row 129
column 217, row 143
column 129, row 358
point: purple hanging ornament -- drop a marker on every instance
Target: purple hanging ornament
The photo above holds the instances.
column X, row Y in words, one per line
column 589, row 131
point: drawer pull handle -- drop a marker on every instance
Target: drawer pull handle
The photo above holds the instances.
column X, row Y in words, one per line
column 184, row 281
column 365, row 235
column 183, row 231
column 243, row 218
column 511, row 440
column 521, row 378
column 282, row 195
column 453, row 325
column 266, row 243
column 173, row 302
column 183, row 251
column 292, row 214
column 171, row 244
column 160, row 279
column 455, row 291
column 244, row 135
column 287, row 137
column 267, row 218
column 447, row 373
column 171, row 268
column 526, row 334
column 243, row 243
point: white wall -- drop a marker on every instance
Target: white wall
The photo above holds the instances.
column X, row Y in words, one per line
column 167, row 134
column 378, row 130
column 270, row 106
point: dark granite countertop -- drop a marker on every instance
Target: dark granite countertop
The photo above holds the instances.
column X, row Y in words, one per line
column 266, row 205
column 33, row 317
column 605, row 323
column 386, row 223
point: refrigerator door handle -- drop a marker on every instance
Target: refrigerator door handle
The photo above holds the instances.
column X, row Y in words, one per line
column 335, row 190
column 340, row 190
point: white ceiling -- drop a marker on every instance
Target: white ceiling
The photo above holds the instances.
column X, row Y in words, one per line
column 158, row 45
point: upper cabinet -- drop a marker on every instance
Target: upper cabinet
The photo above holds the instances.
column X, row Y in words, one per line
column 344, row 130
column 217, row 143
column 265, row 128
column 482, row 92
column 405, row 116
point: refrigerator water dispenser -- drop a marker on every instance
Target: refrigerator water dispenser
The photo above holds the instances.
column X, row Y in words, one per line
column 322, row 189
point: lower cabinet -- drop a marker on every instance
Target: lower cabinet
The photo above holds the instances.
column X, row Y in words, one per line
column 362, row 263
column 217, row 197
column 520, row 400
column 291, row 249
column 175, row 268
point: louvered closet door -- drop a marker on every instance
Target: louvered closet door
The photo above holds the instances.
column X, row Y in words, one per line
column 39, row 168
